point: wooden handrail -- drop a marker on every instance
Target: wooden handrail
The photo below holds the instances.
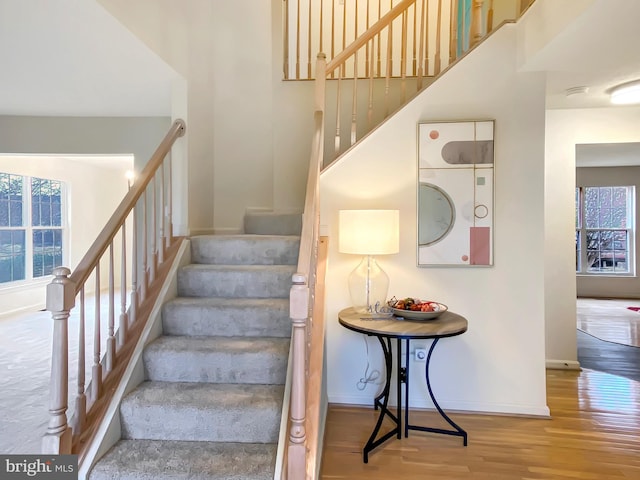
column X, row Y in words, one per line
column 104, row 239
column 368, row 35
column 302, row 310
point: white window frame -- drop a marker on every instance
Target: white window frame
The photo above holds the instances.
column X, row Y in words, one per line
column 581, row 233
column 29, row 230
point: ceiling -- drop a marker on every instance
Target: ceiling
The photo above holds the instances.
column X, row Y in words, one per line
column 72, row 58
column 598, row 50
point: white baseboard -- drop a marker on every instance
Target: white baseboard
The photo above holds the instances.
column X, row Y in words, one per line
column 452, row 406
column 284, row 210
column 36, row 307
column 563, row 364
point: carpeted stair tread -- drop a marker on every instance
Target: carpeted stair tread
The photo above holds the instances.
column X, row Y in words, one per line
column 217, row 359
column 180, row 460
column 202, row 412
column 237, row 281
column 245, row 249
column 255, row 317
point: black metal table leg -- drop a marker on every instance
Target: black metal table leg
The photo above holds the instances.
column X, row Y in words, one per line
column 458, row 432
column 400, row 377
column 382, row 401
column 406, row 388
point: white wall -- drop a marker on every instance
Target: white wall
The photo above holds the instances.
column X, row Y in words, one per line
column 565, row 129
column 499, row 364
column 239, row 113
column 93, row 192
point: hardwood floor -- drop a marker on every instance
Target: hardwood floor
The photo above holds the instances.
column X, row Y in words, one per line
column 594, row 434
column 608, row 357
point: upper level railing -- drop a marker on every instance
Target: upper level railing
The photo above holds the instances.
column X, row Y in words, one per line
column 131, row 255
column 395, row 58
column 429, row 28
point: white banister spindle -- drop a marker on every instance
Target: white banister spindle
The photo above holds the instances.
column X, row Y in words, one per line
column 163, row 216
column 403, row 57
column 437, row 64
column 144, row 283
column 354, row 100
column 475, row 35
column 96, row 371
column 387, row 81
column 123, row 325
column 111, row 339
column 421, row 71
column 370, row 102
column 133, row 309
column 60, row 300
column 169, row 231
column 415, row 39
column 80, row 414
column 298, row 311
column 154, row 232
column 453, row 31
column 338, row 102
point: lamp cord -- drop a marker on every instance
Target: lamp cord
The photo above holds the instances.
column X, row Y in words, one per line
column 373, row 377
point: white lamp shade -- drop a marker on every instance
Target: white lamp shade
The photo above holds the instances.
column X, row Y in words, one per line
column 369, row 232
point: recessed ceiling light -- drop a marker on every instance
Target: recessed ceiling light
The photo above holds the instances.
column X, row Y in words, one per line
column 576, row 90
column 626, row 94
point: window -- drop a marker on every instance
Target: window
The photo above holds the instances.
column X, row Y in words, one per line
column 31, row 227
column 605, row 230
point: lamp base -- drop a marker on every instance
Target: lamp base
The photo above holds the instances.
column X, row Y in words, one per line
column 368, row 286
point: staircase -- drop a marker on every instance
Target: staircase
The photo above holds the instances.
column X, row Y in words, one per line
column 211, row 403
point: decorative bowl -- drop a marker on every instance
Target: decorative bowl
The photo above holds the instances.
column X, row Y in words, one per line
column 416, row 315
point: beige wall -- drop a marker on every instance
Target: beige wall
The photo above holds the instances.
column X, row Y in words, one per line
column 499, row 364
column 608, row 286
column 248, row 133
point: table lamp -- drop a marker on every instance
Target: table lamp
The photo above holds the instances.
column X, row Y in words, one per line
column 368, row 233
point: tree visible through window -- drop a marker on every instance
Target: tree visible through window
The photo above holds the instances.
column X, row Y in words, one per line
column 604, row 229
column 31, row 227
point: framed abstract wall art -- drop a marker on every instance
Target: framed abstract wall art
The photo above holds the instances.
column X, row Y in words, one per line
column 455, row 193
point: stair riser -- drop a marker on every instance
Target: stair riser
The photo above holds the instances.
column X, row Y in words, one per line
column 216, row 367
column 235, row 250
column 174, row 423
column 272, row 224
column 237, row 284
column 198, row 319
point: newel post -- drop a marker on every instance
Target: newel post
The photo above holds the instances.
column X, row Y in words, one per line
column 298, row 311
column 60, row 300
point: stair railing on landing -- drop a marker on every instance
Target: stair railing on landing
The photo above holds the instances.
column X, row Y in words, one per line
column 137, row 246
